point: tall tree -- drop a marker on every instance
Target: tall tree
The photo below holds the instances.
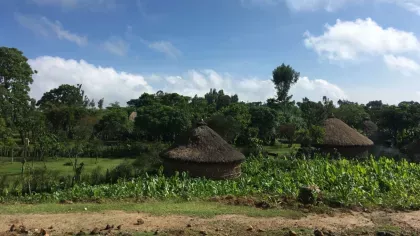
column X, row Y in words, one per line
column 284, row 77
column 15, row 78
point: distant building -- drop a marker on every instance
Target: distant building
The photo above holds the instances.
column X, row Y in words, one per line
column 133, row 116
column 203, row 153
column 344, row 139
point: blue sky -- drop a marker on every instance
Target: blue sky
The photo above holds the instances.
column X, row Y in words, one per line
column 354, row 49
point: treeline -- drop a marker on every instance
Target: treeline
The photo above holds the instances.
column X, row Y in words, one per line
column 66, row 122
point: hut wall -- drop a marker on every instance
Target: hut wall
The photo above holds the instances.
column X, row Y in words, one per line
column 208, row 170
column 350, row 152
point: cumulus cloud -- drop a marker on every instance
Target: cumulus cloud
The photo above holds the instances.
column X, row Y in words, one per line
column 116, row 45
column 122, row 86
column 403, row 64
column 46, row 27
column 75, row 4
column 316, row 89
column 350, row 40
column 165, row 47
column 98, row 82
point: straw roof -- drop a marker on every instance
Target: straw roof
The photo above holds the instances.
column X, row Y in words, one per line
column 338, row 133
column 203, row 145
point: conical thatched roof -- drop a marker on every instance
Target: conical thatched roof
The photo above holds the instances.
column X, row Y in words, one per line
column 338, row 133
column 203, row 145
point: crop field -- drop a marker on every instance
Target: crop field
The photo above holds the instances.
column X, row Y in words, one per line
column 381, row 183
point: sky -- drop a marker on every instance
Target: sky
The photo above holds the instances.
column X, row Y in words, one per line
column 358, row 50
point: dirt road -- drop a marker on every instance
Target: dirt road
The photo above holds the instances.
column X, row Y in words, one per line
column 145, row 224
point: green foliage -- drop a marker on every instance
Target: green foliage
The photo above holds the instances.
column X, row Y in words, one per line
column 64, row 95
column 284, row 77
column 383, row 182
column 313, row 135
column 114, row 125
column 352, row 114
column 161, row 122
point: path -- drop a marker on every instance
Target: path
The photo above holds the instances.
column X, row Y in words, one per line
column 66, row 223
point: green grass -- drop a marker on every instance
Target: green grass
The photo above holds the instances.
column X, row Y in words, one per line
column 10, row 169
column 195, row 208
column 280, row 149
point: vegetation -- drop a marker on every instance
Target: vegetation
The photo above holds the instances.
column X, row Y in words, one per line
column 42, row 144
column 384, row 182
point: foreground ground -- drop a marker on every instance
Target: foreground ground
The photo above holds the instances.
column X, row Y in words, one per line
column 198, row 218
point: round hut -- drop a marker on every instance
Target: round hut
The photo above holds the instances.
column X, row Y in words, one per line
column 345, row 140
column 203, row 153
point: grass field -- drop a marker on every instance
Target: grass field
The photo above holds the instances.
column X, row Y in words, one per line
column 196, row 208
column 10, row 169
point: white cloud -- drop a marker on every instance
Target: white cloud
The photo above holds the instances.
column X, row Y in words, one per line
column 312, row 5
column 316, row 89
column 116, row 45
column 45, row 27
column 165, row 47
column 74, row 4
column 403, row 64
column 98, row 82
column 410, row 5
column 331, row 5
column 122, row 86
column 350, row 40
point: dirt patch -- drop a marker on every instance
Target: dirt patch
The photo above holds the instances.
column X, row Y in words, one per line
column 126, row 223
column 114, row 222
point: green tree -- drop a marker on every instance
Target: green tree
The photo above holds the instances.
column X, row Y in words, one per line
column 64, row 95
column 15, row 78
column 114, row 125
column 160, row 122
column 284, row 77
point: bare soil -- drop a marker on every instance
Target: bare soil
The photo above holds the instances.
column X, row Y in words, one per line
column 350, row 223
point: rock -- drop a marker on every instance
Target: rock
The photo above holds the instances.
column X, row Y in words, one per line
column 219, row 229
column 263, row 205
column 318, row 233
column 383, row 233
column 44, row 232
column 80, row 233
column 307, row 195
column 119, row 227
column 250, row 228
column 202, row 232
column 140, row 221
column 22, row 229
column 260, row 230
column 292, row 233
column 95, row 231
column 328, row 233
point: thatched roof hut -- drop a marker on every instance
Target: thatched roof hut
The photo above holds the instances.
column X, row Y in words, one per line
column 346, row 140
column 203, row 153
